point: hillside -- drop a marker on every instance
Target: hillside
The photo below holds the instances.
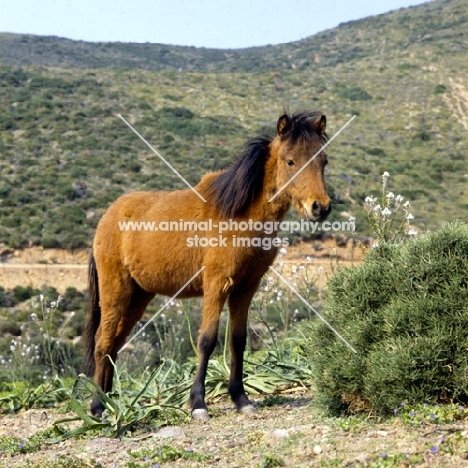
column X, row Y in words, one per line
column 443, row 22
column 64, row 155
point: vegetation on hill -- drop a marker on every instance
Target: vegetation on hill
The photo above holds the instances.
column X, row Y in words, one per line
column 65, row 155
column 440, row 24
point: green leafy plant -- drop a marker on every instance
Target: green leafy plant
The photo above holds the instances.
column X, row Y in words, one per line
column 350, row 424
column 25, row 395
column 14, row 445
column 123, row 410
column 422, row 413
column 271, row 461
column 168, row 453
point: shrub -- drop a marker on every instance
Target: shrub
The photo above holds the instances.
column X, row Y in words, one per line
column 354, row 94
column 23, row 293
column 405, row 311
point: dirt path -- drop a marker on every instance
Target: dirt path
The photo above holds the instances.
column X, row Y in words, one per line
column 37, row 267
column 38, row 276
column 293, row 431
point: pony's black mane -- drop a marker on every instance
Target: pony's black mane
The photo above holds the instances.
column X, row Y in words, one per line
column 233, row 190
column 238, row 186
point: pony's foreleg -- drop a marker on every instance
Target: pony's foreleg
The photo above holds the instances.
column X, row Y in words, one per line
column 212, row 306
column 239, row 302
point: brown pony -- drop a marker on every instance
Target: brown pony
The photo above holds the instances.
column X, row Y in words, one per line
column 127, row 268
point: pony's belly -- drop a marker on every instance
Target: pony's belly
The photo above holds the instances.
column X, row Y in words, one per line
column 168, row 276
column 170, row 283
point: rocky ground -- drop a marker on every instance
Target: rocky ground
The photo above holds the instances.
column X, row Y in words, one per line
column 287, row 430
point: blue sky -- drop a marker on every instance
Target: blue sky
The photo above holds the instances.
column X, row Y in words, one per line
column 201, row 23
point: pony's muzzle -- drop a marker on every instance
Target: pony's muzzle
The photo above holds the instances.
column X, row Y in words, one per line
column 320, row 212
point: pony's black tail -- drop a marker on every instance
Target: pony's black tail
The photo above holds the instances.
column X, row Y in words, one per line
column 93, row 318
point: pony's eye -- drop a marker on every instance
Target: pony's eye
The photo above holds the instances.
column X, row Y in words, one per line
column 290, row 162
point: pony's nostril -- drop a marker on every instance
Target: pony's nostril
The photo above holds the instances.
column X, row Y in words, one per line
column 316, row 208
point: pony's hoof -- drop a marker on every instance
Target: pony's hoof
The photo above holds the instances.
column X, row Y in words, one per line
column 201, row 414
column 249, row 410
column 97, row 408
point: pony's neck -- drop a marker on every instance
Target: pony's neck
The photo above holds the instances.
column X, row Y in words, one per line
column 278, row 207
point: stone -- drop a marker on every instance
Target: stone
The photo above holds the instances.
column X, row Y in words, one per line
column 174, row 432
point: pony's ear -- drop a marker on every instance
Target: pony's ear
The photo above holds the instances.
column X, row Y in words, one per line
column 320, row 124
column 283, row 125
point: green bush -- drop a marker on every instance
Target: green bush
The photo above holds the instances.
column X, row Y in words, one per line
column 404, row 309
column 23, row 293
column 354, row 94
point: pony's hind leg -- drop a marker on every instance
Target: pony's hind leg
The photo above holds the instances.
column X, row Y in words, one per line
column 112, row 334
column 239, row 302
column 121, row 307
column 139, row 302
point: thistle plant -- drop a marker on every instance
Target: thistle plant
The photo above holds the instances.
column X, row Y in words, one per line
column 390, row 217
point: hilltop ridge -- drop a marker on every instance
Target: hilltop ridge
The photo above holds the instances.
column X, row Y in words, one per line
column 406, row 28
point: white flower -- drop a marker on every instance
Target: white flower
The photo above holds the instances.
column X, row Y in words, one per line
column 352, row 219
column 374, row 245
column 386, row 212
column 385, row 175
column 378, row 208
column 409, row 216
column 412, row 232
column 407, row 203
column 283, row 251
column 41, row 297
column 12, row 348
column 399, row 198
column 390, row 195
column 72, row 314
column 53, row 304
column 370, row 201
column 33, row 316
